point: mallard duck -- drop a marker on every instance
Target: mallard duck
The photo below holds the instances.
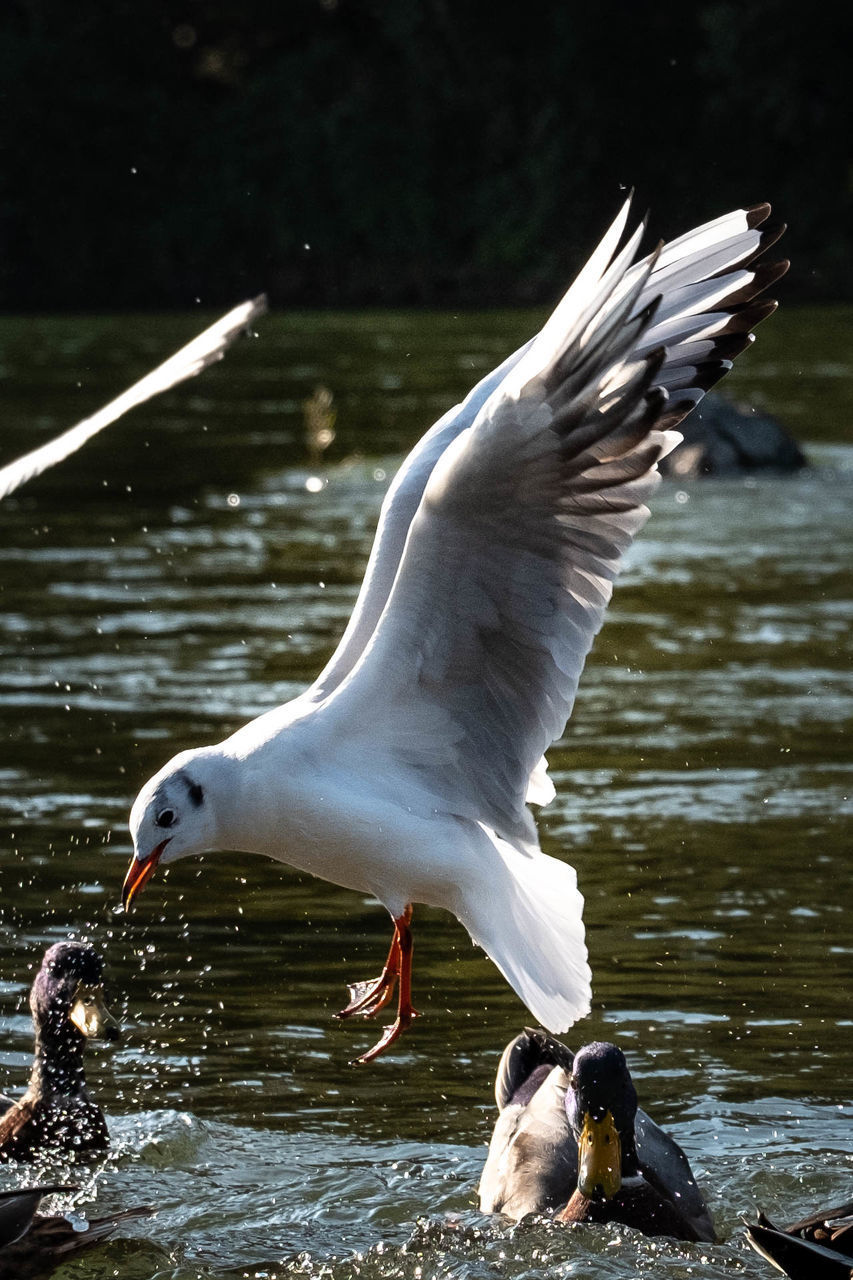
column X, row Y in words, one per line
column 570, row 1137
column 33, row 1245
column 819, row 1247
column 56, row 1112
column 405, row 770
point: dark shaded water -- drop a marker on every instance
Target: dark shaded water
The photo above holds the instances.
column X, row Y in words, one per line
column 183, row 573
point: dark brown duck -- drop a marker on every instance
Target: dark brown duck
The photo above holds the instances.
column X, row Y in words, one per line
column 819, row 1247
column 33, row 1244
column 56, row 1112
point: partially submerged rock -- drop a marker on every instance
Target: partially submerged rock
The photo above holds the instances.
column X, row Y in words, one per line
column 723, row 439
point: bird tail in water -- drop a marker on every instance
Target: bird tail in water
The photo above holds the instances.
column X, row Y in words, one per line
column 529, row 921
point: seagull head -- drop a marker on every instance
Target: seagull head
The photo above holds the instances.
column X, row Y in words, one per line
column 174, row 816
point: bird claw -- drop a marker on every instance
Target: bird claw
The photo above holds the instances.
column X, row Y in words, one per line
column 367, row 998
column 389, row 1035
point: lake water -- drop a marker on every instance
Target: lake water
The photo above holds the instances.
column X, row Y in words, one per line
column 185, row 572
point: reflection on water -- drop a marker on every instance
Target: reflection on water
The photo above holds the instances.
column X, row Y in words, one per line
column 185, row 573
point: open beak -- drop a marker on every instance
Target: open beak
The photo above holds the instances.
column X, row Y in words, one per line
column 599, row 1157
column 91, row 1016
column 139, row 873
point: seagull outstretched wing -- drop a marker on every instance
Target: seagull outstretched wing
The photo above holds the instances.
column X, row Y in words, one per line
column 509, row 560
column 204, row 350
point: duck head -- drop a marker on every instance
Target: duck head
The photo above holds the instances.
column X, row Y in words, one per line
column 601, row 1106
column 67, row 996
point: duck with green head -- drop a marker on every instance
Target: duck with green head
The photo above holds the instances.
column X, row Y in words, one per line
column 570, row 1137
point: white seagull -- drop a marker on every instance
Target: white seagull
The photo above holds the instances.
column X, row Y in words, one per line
column 405, row 770
column 191, row 360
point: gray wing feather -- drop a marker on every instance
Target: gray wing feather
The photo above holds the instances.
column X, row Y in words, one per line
column 208, row 347
column 509, row 561
column 400, row 504
column 404, row 496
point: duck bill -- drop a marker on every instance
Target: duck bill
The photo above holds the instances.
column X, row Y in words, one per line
column 599, row 1157
column 91, row 1016
column 139, row 873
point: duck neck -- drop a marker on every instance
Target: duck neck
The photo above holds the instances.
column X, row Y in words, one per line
column 630, row 1159
column 58, row 1062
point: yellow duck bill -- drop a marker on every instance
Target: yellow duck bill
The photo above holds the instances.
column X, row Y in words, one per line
column 91, row 1016
column 599, row 1157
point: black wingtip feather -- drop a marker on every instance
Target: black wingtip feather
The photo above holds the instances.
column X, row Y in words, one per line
column 756, row 214
column 769, row 235
column 748, row 315
column 676, row 412
column 759, row 310
column 728, row 346
column 710, row 373
column 764, row 275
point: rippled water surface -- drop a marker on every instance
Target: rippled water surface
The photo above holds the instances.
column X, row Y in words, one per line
column 185, row 572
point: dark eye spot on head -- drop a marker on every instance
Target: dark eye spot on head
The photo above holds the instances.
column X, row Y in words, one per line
column 165, row 818
column 195, row 791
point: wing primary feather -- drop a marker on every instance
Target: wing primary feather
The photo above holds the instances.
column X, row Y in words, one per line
column 765, row 275
column 757, row 213
column 511, row 554
column 190, row 360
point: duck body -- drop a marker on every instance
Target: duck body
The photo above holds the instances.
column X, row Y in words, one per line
column 553, row 1107
column 33, row 1244
column 56, row 1112
column 638, row 1204
column 819, row 1247
column 47, row 1119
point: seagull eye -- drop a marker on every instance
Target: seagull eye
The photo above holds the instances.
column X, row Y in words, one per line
column 165, row 818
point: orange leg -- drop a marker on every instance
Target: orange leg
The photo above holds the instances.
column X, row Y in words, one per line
column 398, row 964
column 367, row 998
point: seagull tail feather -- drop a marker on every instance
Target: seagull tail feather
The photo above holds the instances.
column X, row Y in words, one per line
column 530, row 924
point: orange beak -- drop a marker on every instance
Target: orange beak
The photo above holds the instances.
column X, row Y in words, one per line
column 139, row 873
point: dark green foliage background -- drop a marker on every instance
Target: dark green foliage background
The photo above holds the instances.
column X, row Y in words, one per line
column 425, row 151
